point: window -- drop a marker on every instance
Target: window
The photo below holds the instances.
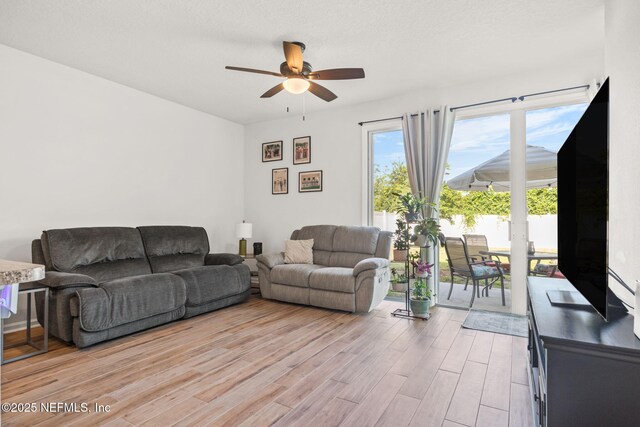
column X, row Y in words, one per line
column 386, row 174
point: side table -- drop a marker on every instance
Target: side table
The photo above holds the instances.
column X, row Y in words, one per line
column 252, row 263
column 28, row 289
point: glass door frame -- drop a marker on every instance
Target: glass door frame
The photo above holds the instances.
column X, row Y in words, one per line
column 519, row 226
column 368, row 130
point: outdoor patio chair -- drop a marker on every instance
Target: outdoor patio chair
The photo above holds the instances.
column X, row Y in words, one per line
column 461, row 265
column 478, row 242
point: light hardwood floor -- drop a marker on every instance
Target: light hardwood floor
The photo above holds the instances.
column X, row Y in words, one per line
column 267, row 363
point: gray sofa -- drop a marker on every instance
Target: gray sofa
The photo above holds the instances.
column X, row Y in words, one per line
column 350, row 269
column 107, row 282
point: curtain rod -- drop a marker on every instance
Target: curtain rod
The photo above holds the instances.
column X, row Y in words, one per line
column 512, row 99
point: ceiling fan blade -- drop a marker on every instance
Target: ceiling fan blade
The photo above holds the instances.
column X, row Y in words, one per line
column 293, row 54
column 251, row 70
column 272, row 91
column 338, row 74
column 321, row 92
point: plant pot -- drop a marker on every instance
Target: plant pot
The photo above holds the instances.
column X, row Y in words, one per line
column 400, row 255
column 421, row 240
column 420, row 308
column 424, row 275
column 412, row 217
column 399, row 286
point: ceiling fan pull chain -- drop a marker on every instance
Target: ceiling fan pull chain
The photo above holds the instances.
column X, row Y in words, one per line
column 303, row 106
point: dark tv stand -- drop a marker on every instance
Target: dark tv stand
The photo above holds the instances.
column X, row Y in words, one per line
column 583, row 371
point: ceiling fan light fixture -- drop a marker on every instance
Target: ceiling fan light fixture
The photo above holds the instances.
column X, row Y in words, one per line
column 296, row 85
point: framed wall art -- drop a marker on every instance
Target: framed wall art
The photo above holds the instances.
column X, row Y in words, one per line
column 272, row 151
column 280, row 181
column 309, row 181
column 302, row 150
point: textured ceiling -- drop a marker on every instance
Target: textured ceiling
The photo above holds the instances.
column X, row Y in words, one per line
column 177, row 49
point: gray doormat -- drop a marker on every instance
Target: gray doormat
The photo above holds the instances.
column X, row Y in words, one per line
column 500, row 323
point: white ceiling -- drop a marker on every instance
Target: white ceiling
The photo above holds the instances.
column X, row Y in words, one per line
column 177, row 49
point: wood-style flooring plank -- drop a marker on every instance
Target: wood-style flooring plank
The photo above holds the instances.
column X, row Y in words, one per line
column 399, row 412
column 369, row 377
column 304, row 412
column 466, row 399
column 481, row 348
column 457, row 354
column 333, row 413
column 433, row 408
column 519, row 361
column 498, row 383
column 420, row 380
column 492, row 417
column 447, row 335
column 520, row 413
column 266, row 416
column 370, row 409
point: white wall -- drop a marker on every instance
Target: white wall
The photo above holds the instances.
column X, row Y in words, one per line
column 77, row 150
column 622, row 62
column 336, row 148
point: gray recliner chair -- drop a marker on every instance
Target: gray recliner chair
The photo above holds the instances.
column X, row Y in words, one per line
column 350, row 269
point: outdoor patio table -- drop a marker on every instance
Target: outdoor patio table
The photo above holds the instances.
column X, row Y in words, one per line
column 537, row 256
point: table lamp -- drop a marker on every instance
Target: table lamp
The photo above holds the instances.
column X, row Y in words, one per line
column 243, row 232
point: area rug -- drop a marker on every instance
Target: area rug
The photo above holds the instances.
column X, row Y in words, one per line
column 500, row 323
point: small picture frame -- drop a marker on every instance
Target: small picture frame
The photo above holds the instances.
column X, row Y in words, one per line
column 301, row 150
column 272, row 151
column 309, row 181
column 280, row 181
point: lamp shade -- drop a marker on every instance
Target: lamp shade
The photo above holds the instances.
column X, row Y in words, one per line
column 296, row 85
column 244, row 230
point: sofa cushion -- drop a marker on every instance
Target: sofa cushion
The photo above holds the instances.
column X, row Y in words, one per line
column 356, row 239
column 122, row 301
column 213, row 282
column 298, row 251
column 322, row 236
column 336, row 279
column 103, row 253
column 171, row 248
column 294, row 274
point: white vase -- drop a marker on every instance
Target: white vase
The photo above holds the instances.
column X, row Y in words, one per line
column 421, row 240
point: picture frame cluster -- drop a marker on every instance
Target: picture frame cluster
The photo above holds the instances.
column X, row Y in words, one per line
column 308, row 181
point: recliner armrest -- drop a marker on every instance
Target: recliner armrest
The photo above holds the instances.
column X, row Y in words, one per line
column 271, row 260
column 370, row 264
column 223, row 259
column 60, row 280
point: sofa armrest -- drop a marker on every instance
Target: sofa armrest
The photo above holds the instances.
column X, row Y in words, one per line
column 223, row 259
column 370, row 264
column 271, row 260
column 60, row 280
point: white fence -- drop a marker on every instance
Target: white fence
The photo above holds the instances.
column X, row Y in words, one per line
column 543, row 229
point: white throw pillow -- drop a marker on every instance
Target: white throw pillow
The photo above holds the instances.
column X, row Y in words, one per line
column 298, row 251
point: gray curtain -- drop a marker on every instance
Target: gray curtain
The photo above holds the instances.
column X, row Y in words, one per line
column 427, row 137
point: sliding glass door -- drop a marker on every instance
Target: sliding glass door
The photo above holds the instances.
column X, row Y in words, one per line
column 475, row 210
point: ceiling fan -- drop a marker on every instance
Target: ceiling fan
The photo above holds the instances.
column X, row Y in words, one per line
column 300, row 75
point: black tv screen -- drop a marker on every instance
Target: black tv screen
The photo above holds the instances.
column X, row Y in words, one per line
column 583, row 186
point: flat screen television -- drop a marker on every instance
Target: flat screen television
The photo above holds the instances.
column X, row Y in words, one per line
column 583, row 201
